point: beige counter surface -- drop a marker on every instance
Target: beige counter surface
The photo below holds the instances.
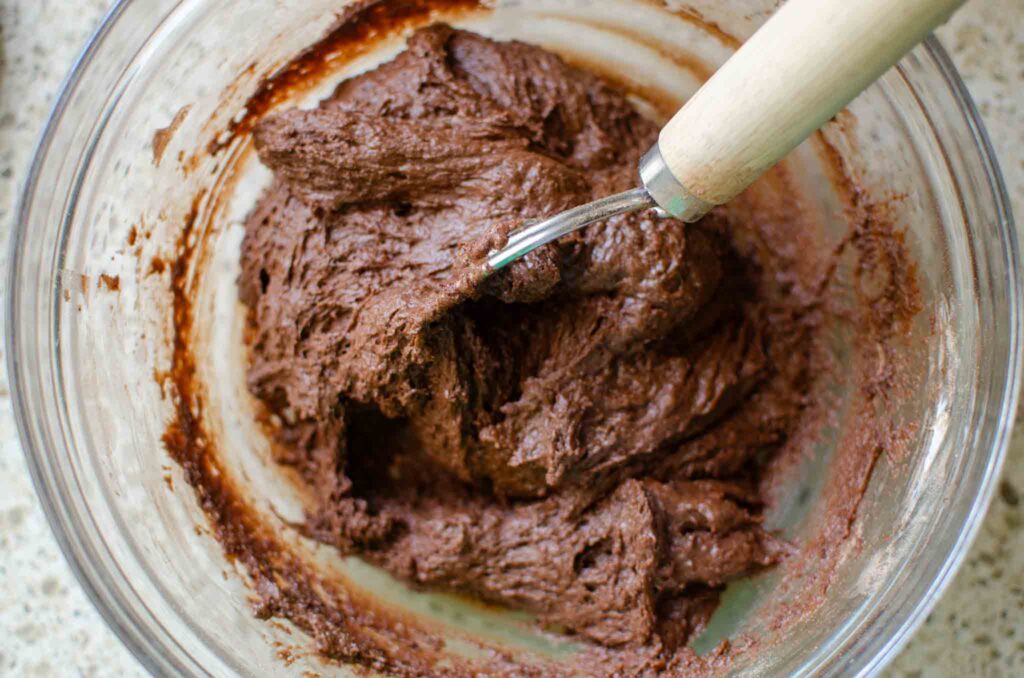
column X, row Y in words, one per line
column 49, row 628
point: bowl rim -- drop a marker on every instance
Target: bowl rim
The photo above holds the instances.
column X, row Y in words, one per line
column 153, row 655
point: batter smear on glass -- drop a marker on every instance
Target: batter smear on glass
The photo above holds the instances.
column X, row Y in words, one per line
column 579, row 436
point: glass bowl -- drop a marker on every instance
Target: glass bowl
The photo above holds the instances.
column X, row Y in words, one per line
column 90, row 317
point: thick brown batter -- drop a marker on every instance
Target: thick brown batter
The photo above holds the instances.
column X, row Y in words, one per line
column 579, row 436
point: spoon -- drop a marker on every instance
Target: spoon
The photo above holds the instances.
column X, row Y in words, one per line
column 807, row 62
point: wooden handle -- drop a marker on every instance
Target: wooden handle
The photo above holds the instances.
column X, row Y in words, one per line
column 804, row 65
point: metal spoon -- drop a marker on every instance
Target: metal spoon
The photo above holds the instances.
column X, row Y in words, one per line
column 801, row 68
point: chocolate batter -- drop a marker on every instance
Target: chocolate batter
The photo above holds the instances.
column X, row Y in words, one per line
column 580, row 436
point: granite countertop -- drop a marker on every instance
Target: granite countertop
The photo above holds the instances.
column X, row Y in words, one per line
column 49, row 628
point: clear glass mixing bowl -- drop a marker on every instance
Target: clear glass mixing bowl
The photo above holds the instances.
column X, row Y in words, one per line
column 85, row 359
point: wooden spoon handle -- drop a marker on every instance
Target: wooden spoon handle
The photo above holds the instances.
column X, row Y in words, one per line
column 804, row 65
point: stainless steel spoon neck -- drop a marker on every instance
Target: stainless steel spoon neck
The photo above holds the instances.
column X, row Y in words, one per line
column 660, row 189
column 666, row 190
column 536, row 234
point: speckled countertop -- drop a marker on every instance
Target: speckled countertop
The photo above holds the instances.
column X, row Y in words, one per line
column 49, row 628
